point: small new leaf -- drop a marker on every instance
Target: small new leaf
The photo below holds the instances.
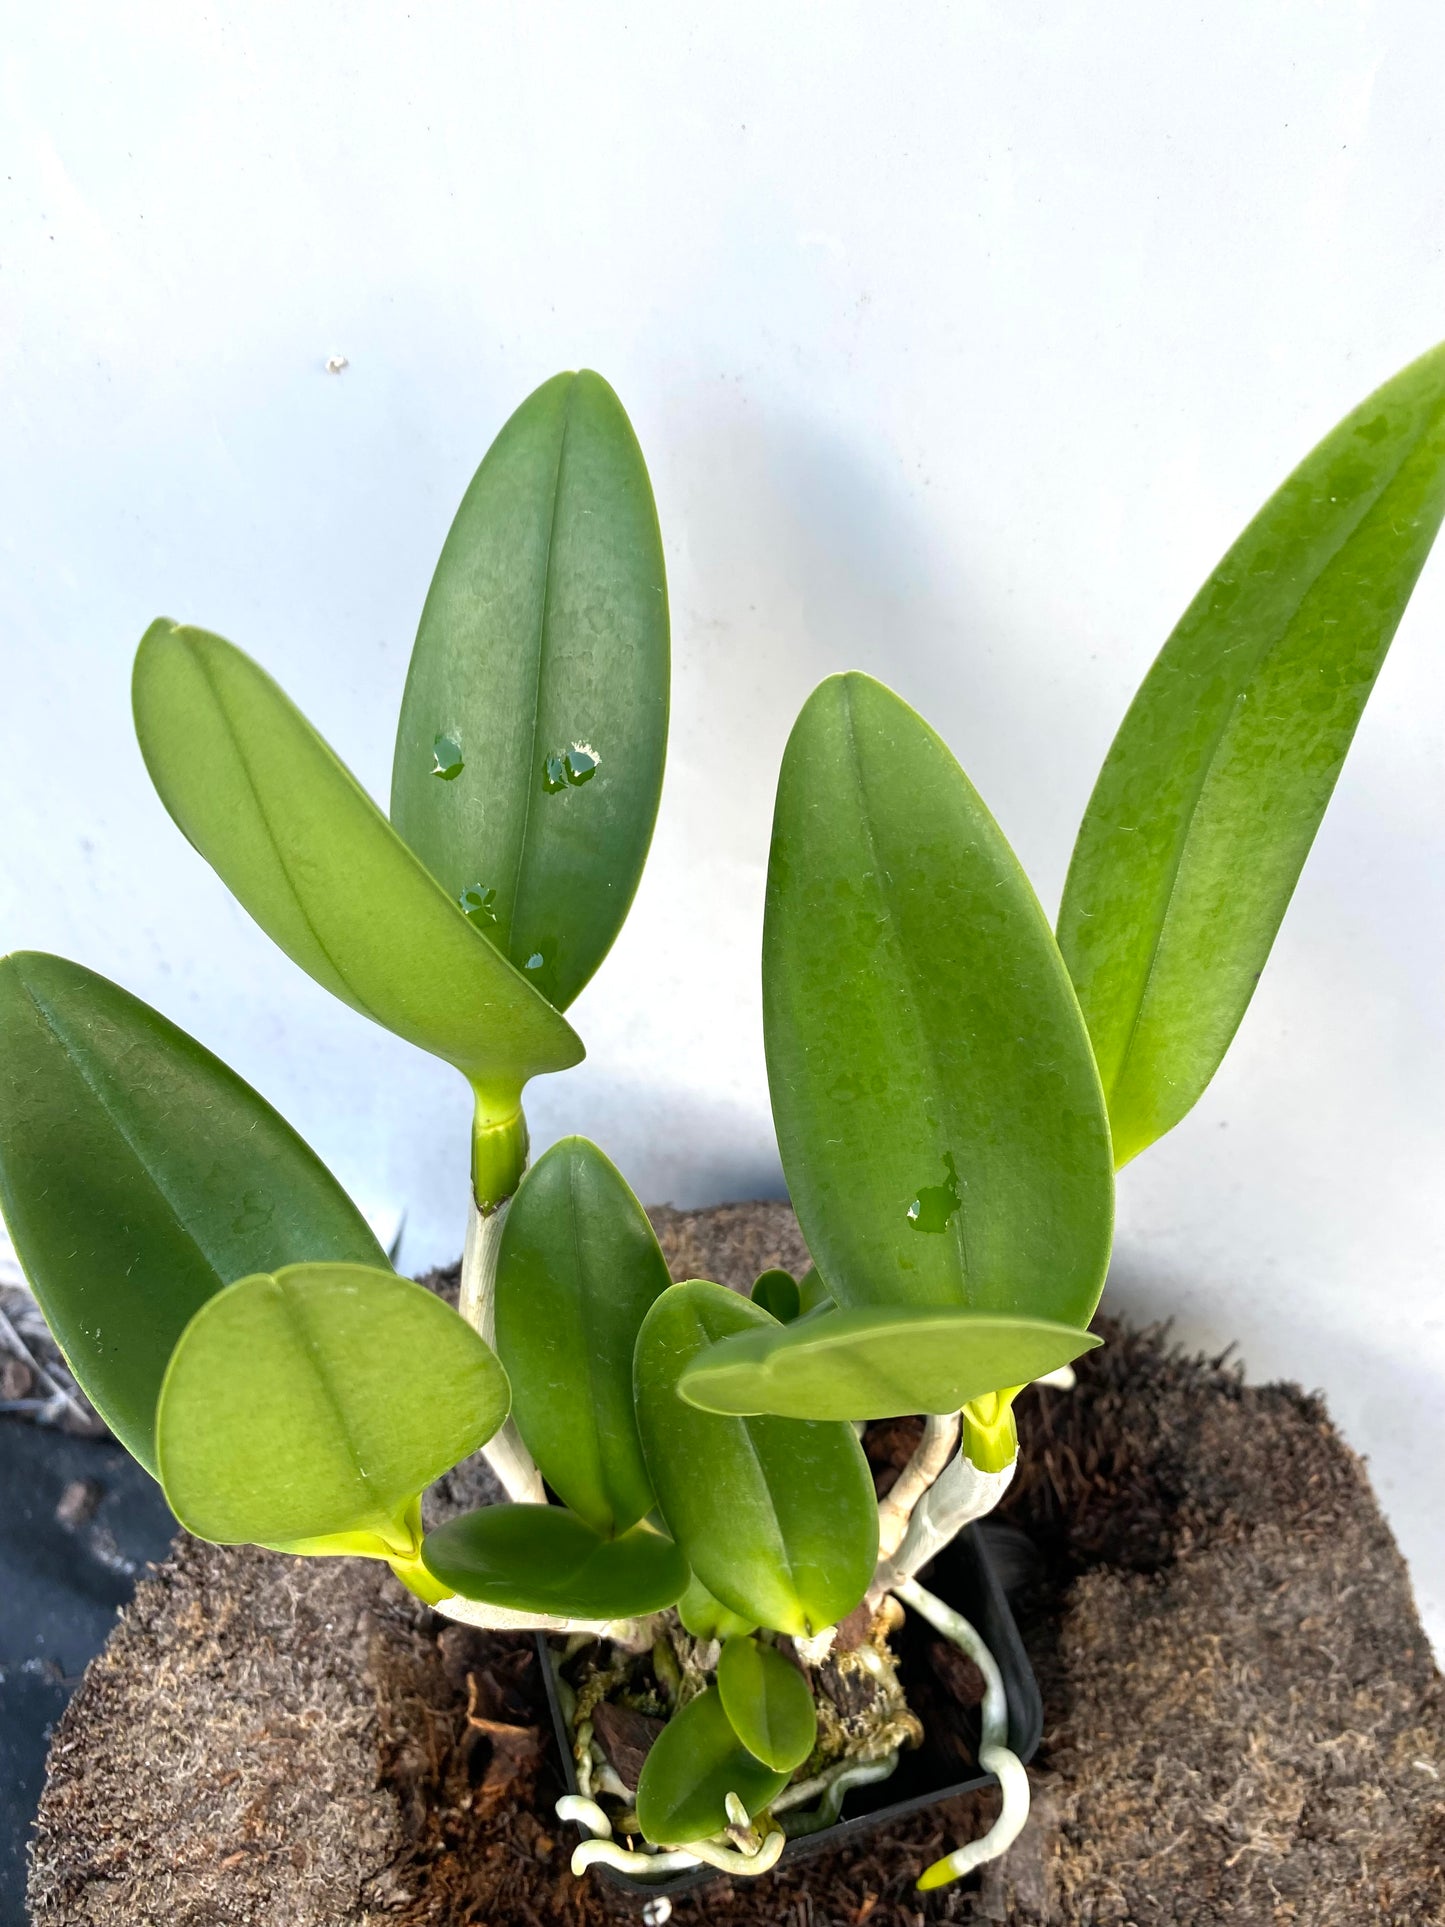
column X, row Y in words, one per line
column 778, row 1519
column 577, row 1270
column 319, row 1402
column 540, row 1559
column 777, row 1292
column 696, row 1761
column 767, row 1703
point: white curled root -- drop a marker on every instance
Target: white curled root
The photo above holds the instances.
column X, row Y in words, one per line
column 587, row 1813
column 630, row 1860
column 832, row 1787
column 653, row 1864
column 748, row 1865
column 994, row 1754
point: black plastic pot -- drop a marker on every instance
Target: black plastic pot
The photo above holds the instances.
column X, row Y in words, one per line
column 965, row 1577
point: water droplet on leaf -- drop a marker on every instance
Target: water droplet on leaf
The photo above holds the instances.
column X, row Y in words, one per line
column 935, row 1205
column 570, row 767
column 480, row 905
column 447, row 758
column 539, row 966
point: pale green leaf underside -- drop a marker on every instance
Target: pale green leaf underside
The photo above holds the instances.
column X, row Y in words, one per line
column 318, row 1402
column 877, row 1362
column 309, row 855
column 1211, row 795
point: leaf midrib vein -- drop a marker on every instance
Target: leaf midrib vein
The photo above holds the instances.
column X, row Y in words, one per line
column 900, row 950
column 547, row 566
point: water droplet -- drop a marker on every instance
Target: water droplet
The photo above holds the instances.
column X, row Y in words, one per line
column 480, row 905
column 935, row 1205
column 581, row 760
column 539, row 966
column 447, row 758
column 569, row 768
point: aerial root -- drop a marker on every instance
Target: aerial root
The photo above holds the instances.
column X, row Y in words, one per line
column 994, row 1754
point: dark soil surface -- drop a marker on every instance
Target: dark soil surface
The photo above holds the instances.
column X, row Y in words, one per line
column 1243, row 1721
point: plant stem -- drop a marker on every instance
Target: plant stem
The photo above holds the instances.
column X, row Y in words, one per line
column 961, row 1493
column 994, row 1754
column 499, row 1154
column 990, row 1435
column 940, row 1436
column 829, row 1789
column 504, row 1451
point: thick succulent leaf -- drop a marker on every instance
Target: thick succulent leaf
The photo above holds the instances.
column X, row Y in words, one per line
column 1209, row 800
column 778, row 1519
column 777, row 1292
column 300, row 843
column 878, row 1361
column 708, row 1618
column 138, row 1176
column 695, row 1762
column 938, row 1111
column 540, row 1559
column 577, row 1269
column 530, row 750
column 767, row 1703
column 318, row 1402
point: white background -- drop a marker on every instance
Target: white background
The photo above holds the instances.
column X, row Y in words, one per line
column 961, row 339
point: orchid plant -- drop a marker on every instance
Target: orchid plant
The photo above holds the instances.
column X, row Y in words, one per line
column 689, row 1508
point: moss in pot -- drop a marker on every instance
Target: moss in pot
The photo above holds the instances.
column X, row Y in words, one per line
column 688, row 1505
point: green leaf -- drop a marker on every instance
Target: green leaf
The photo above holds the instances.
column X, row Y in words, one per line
column 778, row 1519
column 300, row 843
column 767, row 1703
column 939, row 1115
column 708, row 1618
column 577, row 1269
column 695, row 1762
column 1209, row 800
column 777, row 1292
column 540, row 1559
column 813, row 1294
column 530, row 749
column 138, row 1176
column 878, row 1362
column 319, row 1402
